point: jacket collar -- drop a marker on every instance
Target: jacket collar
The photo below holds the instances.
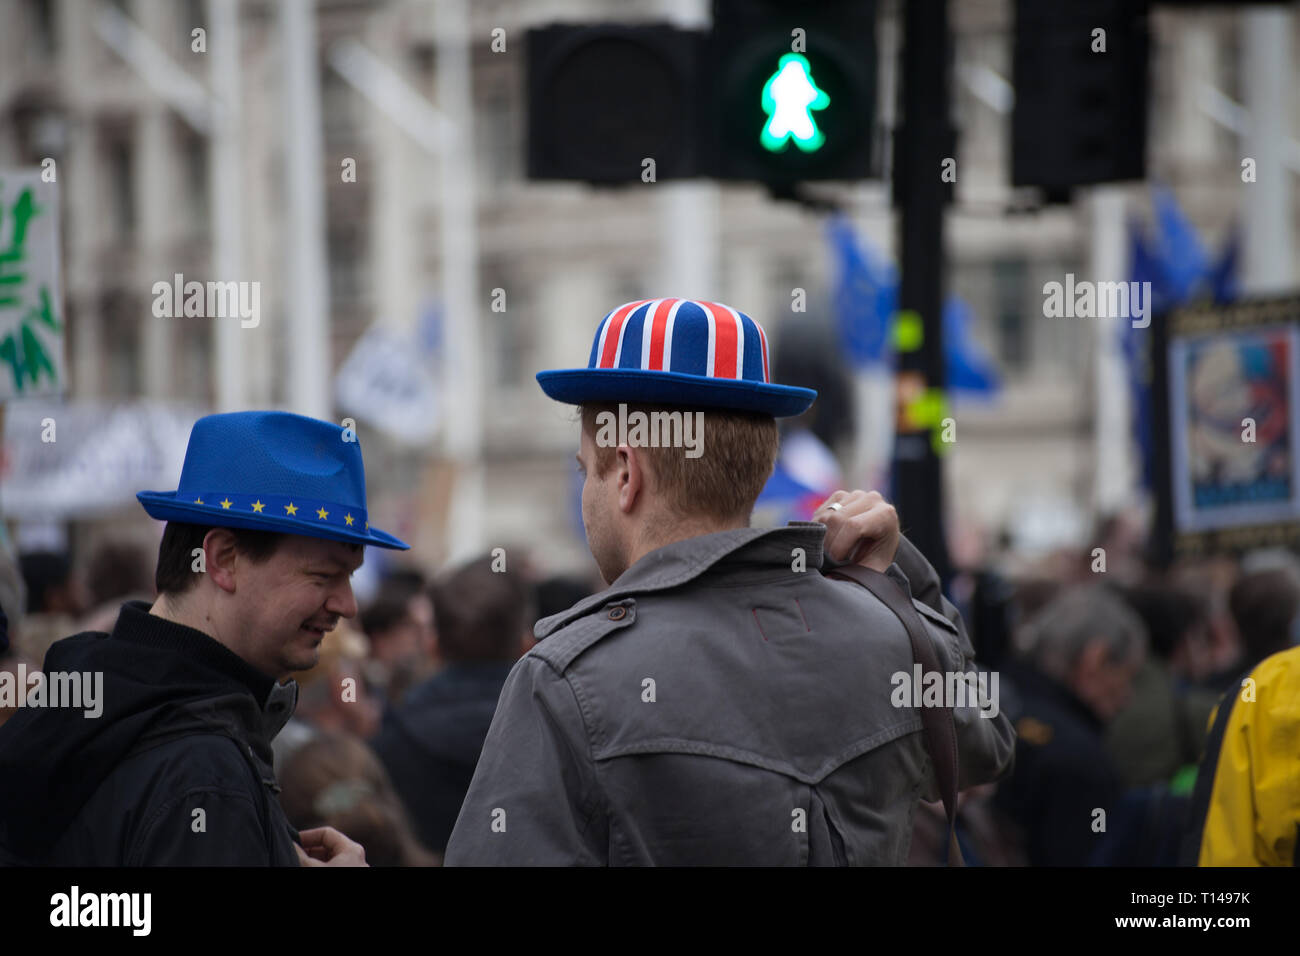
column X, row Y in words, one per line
column 723, row 554
column 136, row 625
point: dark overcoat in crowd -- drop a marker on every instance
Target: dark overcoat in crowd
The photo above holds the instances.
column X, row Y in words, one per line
column 1064, row 773
column 431, row 743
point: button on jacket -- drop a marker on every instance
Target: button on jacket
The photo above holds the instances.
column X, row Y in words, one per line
column 719, row 705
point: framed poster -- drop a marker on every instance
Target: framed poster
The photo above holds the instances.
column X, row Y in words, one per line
column 1228, row 413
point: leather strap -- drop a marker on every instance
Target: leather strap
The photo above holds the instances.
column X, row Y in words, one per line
column 937, row 722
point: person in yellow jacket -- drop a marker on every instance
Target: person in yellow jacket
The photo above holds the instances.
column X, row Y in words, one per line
column 1246, row 806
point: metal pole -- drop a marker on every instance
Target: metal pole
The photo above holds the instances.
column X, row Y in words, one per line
column 1267, row 79
column 307, row 292
column 1112, row 477
column 225, row 153
column 688, row 211
column 460, row 281
column 923, row 141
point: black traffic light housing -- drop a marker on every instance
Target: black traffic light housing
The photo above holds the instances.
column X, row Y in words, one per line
column 603, row 98
column 1080, row 115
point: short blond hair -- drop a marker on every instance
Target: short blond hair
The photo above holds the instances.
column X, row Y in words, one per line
column 739, row 455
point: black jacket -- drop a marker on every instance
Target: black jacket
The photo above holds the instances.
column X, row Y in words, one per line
column 186, row 727
column 1063, row 771
column 431, row 743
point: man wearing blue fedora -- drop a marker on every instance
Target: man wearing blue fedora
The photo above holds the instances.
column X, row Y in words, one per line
column 262, row 536
column 720, row 702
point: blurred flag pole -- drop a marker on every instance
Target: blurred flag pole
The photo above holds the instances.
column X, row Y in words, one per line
column 1112, row 461
column 227, row 204
column 457, row 216
column 1267, row 76
column 307, row 291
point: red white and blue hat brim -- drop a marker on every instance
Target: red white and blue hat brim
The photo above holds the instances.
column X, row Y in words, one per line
column 578, row 386
column 678, row 352
column 166, row 506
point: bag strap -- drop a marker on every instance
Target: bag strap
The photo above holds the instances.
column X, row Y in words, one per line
column 937, row 722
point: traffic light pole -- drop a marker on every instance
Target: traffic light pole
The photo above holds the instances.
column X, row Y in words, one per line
column 924, row 140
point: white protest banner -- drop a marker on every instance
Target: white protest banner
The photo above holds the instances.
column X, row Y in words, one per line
column 387, row 381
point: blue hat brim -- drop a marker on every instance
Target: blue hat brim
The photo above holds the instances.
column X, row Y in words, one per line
column 164, row 506
column 577, row 386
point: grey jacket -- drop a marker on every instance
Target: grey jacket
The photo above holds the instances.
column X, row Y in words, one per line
column 715, row 706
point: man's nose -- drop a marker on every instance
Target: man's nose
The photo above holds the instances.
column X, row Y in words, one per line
column 341, row 601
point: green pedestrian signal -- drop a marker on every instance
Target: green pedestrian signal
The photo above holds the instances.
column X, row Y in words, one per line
column 789, row 97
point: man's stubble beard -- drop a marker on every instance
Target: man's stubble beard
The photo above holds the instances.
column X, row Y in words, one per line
column 607, row 554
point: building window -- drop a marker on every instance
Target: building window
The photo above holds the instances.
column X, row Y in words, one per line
column 191, row 14
column 339, row 113
column 40, row 16
column 195, row 185
column 119, row 158
column 511, row 336
column 1009, row 284
column 120, row 344
column 499, row 141
column 346, row 250
column 192, row 377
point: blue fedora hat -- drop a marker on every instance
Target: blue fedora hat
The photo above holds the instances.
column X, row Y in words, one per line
column 272, row 471
column 678, row 352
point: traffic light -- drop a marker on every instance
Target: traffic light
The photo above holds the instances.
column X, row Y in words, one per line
column 603, row 98
column 1080, row 74
column 779, row 91
column 793, row 90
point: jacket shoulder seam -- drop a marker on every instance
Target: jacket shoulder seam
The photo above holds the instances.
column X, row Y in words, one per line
column 562, row 647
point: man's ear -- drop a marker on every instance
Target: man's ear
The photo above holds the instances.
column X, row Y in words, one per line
column 219, row 557
column 630, row 476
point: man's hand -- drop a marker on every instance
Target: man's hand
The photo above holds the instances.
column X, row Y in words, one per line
column 325, row 846
column 863, row 530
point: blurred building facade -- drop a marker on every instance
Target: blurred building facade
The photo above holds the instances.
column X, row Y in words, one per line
column 139, row 206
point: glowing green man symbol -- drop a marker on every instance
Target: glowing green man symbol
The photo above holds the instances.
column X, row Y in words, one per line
column 789, row 97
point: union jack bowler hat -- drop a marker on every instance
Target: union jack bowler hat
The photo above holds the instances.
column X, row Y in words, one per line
column 678, row 352
column 272, row 471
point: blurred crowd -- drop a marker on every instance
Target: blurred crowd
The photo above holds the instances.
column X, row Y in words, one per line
column 1109, row 669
